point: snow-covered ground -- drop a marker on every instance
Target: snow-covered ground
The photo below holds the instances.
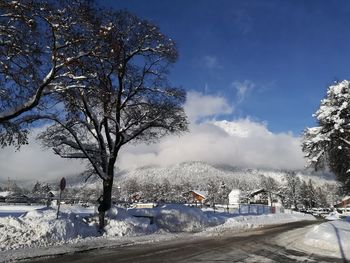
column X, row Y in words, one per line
column 32, row 233
column 16, row 210
column 246, row 222
column 330, row 239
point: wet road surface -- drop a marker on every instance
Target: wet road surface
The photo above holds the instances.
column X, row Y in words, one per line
column 253, row 246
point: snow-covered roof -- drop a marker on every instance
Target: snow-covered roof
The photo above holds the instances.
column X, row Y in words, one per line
column 258, row 191
column 5, row 193
column 346, row 198
column 55, row 193
column 201, row 193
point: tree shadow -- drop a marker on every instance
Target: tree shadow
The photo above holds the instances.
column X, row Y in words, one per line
column 339, row 243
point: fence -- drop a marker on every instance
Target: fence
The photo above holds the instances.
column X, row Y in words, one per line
column 256, row 209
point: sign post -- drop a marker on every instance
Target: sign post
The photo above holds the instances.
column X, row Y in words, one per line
column 62, row 187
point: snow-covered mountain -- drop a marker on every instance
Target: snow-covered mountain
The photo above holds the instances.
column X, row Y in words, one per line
column 200, row 173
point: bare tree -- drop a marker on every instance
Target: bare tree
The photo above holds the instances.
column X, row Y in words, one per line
column 38, row 40
column 123, row 97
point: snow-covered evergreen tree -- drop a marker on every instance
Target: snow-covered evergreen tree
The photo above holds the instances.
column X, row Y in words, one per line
column 37, row 188
column 311, row 194
column 321, row 197
column 212, row 191
column 46, row 189
column 223, row 193
column 328, row 144
column 304, row 198
column 292, row 189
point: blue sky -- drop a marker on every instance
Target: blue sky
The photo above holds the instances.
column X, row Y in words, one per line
column 283, row 53
column 251, row 62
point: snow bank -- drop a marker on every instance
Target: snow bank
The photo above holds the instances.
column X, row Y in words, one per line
column 120, row 223
column 40, row 228
column 333, row 216
column 240, row 223
column 178, row 218
column 330, row 236
column 78, row 209
column 17, row 210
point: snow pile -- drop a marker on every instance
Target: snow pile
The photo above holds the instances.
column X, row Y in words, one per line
column 40, row 228
column 120, row 223
column 17, row 210
column 333, row 216
column 178, row 218
column 239, row 223
column 79, row 210
column 330, row 236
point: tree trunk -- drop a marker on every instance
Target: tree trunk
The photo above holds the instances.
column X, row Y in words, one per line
column 106, row 201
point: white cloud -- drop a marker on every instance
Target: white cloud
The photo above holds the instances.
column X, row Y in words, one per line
column 242, row 143
column 200, row 106
column 211, row 62
column 33, row 162
column 243, row 22
column 242, row 89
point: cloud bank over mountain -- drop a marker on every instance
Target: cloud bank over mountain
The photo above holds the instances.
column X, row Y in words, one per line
column 242, row 143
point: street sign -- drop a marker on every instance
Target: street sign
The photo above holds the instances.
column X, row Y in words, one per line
column 62, row 187
column 63, row 184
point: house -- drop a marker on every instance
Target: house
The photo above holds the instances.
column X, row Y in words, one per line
column 198, row 196
column 343, row 203
column 259, row 196
column 5, row 193
column 234, row 197
column 262, row 196
column 17, row 198
column 53, row 194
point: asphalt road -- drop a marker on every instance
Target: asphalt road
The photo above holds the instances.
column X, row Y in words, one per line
column 253, row 246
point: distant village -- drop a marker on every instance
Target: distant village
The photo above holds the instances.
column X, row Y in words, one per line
column 217, row 196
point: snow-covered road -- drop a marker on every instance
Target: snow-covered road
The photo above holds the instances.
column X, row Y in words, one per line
column 260, row 245
column 329, row 239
